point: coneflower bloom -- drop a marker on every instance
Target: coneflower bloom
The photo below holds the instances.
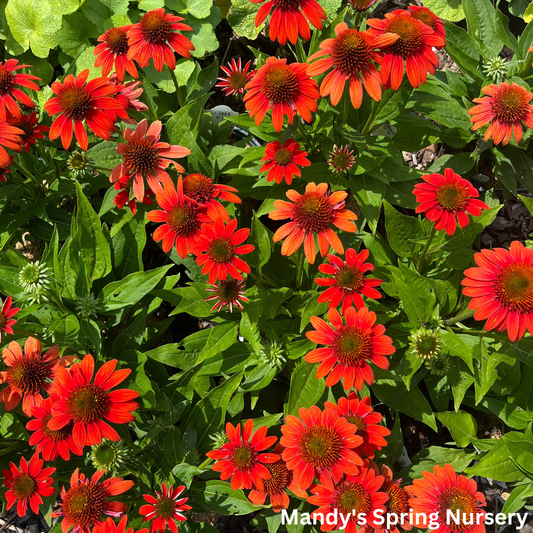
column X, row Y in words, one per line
column 156, row 36
column 87, row 403
column 10, row 137
column 145, row 156
column 236, row 77
column 76, row 101
column 182, row 219
column 282, row 161
column 447, row 199
column 166, row 509
column 354, row 495
column 286, row 89
column 367, row 421
column 242, row 458
column 501, row 287
column 341, row 159
column 29, row 374
column 52, row 444
column 113, row 52
column 110, row 527
column 318, row 442
column 207, row 193
column 85, row 502
column 6, row 316
column 28, row 484
column 505, row 107
column 3, row 177
column 351, row 55
column 362, row 5
column 217, row 249
column 425, row 15
column 276, row 487
column 349, row 347
column 229, row 292
column 31, row 131
column 128, row 94
column 289, row 18
column 312, row 213
column 443, row 490
column 348, row 284
column 9, row 91
column 414, row 46
column 123, row 197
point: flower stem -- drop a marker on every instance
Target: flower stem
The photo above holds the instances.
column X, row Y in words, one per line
column 426, row 248
column 299, row 274
column 345, row 105
column 27, row 334
column 181, row 103
column 489, row 334
column 103, row 168
column 24, row 171
column 205, row 464
column 460, row 317
column 372, row 117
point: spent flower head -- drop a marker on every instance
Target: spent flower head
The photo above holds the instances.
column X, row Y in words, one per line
column 426, row 343
column 439, row 365
column 79, row 163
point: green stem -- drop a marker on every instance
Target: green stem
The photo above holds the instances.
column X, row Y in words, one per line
column 459, row 318
column 526, row 67
column 303, row 133
column 24, row 171
column 495, row 336
column 426, row 248
column 27, row 334
column 205, row 464
column 370, row 122
column 103, row 168
column 299, row 274
column 345, row 106
column 181, row 103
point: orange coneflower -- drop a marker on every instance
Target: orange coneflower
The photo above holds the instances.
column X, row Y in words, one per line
column 310, row 214
column 506, row 106
column 123, row 197
column 85, row 502
column 414, row 46
column 443, row 490
column 443, row 198
column 52, row 444
column 501, row 287
column 236, row 77
column 425, row 15
column 360, row 413
column 87, row 403
column 229, row 292
column 289, row 18
column 286, row 89
column 128, row 94
column 29, row 374
column 182, row 219
column 355, row 495
column 113, row 51
column 318, row 442
column 3, row 177
column 6, row 316
column 76, row 101
column 348, row 284
column 110, row 527
column 351, row 54
column 145, row 156
column 9, row 91
column 282, row 161
column 10, row 137
column 156, row 36
column 349, row 346
column 28, row 484
column 242, row 458
column 166, row 509
column 30, row 130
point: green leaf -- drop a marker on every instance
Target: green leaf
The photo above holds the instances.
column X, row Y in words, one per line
column 220, row 339
column 401, row 231
column 74, row 35
column 260, row 238
column 462, row 426
column 65, row 331
column 64, row 7
column 85, row 61
column 241, row 18
column 149, row 5
column 481, row 20
column 204, row 38
column 368, row 192
column 305, row 389
column 218, row 497
column 458, row 348
column 128, row 237
column 100, row 12
column 451, row 10
column 185, row 121
column 184, row 69
column 199, row 8
column 518, row 498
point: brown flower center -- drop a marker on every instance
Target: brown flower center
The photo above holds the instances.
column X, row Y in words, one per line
column 321, row 446
column 279, row 84
column 461, row 500
column 156, row 28
column 352, row 497
column 237, row 80
column 28, row 375
column 398, row 499
column 83, row 505
column 281, row 477
column 410, row 32
column 351, row 52
column 244, row 457
column 352, row 346
column 7, row 81
column 313, row 212
column 228, row 291
column 24, row 486
column 74, row 101
column 182, row 220
column 283, row 156
column 141, row 157
column 349, row 278
column 514, row 287
column 452, row 196
column 165, row 507
column 221, row 250
column 511, row 104
column 87, row 403
column 287, row 5
column 117, row 41
column 357, row 421
column 57, row 435
column 3, row 321
column 425, row 16
column 199, row 188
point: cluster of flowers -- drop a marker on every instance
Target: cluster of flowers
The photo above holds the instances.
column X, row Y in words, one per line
column 330, row 453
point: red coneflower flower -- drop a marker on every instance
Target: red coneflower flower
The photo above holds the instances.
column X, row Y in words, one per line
column 425, row 15
column 182, row 219
column 156, row 36
column 76, row 102
column 28, row 484
column 3, row 173
column 51, row 444
column 110, row 527
column 443, row 198
column 217, row 248
column 229, row 292
column 28, row 374
column 30, row 130
column 286, row 89
column 362, row 5
column 312, row 212
column 87, row 403
column 86, row 501
column 124, row 185
column 289, row 18
column 205, row 192
column 9, row 91
column 349, row 347
column 241, row 459
column 128, row 94
column 414, row 46
column 236, row 77
column 443, row 490
column 6, row 316
column 341, row 159
column 10, row 137
column 505, row 107
column 348, row 284
column 282, row 161
column 352, row 55
column 276, row 487
column 319, row 442
column 145, row 156
column 166, row 509
column 501, row 287
column 113, row 51
column 354, row 495
column 367, row 421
